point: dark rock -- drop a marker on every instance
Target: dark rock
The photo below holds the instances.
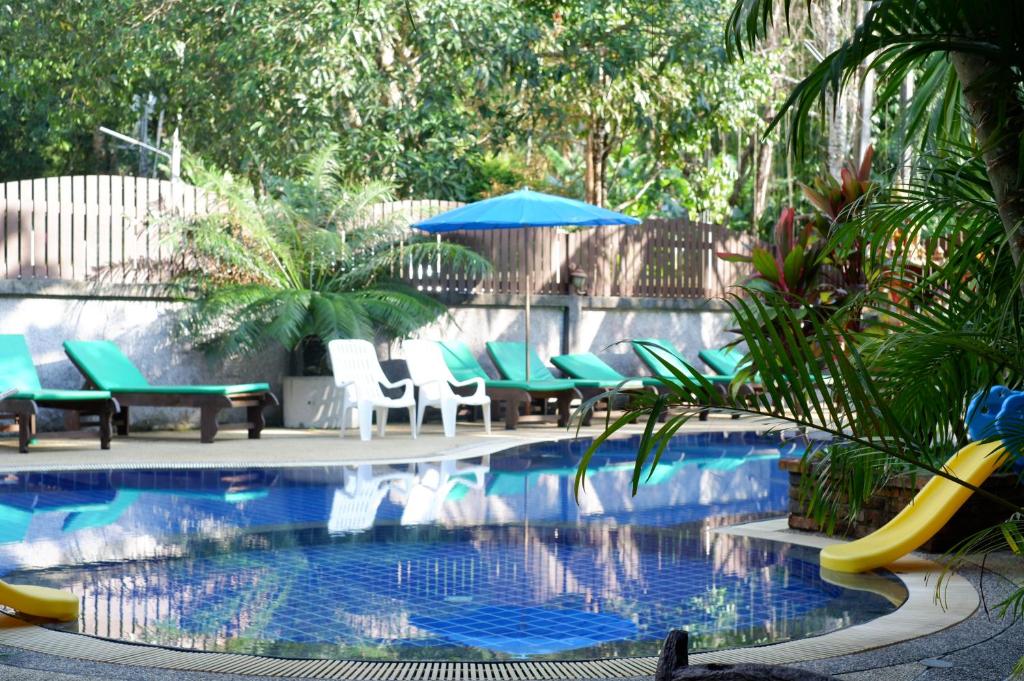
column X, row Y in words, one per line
column 745, row 672
column 674, row 654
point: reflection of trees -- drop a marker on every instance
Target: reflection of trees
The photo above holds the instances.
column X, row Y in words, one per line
column 358, row 593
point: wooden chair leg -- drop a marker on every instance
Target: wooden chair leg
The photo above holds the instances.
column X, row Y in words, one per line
column 106, row 428
column 254, row 415
column 123, row 427
column 511, row 414
column 72, row 420
column 208, row 423
column 24, row 431
column 564, row 412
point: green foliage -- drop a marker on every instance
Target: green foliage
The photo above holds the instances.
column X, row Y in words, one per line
column 438, row 98
column 302, row 261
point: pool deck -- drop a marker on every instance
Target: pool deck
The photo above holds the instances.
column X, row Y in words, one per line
column 961, row 638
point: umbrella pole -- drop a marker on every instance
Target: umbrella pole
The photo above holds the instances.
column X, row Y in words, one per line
column 527, row 343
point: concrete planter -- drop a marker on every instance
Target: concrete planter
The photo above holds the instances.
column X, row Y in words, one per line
column 312, row 402
column 975, row 515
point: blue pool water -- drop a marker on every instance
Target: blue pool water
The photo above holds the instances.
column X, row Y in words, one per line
column 474, row 559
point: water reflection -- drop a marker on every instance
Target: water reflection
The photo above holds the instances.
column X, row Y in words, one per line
column 473, row 558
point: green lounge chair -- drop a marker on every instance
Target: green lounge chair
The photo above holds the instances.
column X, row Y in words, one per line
column 594, row 377
column 723, row 361
column 26, row 394
column 647, row 347
column 588, row 367
column 513, row 393
column 654, row 352
column 105, row 367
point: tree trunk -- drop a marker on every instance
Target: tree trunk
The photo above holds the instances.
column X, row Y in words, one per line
column 835, row 109
column 597, row 151
column 907, row 157
column 762, row 178
column 589, row 176
column 999, row 125
column 867, row 99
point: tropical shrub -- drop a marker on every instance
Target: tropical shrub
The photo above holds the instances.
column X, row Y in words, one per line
column 895, row 398
column 301, row 263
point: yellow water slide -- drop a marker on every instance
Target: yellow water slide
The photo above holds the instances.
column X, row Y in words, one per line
column 928, row 513
column 40, row 601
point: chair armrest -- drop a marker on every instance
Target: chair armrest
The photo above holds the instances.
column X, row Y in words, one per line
column 401, row 383
column 481, row 388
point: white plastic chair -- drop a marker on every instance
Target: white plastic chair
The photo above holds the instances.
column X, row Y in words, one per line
column 431, row 375
column 357, row 372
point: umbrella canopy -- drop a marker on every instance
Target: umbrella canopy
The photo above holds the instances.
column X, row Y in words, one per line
column 524, row 208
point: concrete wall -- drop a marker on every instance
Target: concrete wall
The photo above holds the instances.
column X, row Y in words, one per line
column 144, row 329
column 595, row 326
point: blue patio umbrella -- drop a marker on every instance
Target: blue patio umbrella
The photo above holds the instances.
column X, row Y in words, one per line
column 523, row 209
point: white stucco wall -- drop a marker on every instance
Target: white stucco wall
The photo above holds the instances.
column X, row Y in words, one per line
column 144, row 330
column 598, row 331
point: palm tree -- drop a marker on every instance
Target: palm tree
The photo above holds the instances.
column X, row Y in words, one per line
column 894, row 393
column 302, row 263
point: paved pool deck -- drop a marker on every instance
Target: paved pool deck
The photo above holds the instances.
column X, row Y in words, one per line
column 961, row 639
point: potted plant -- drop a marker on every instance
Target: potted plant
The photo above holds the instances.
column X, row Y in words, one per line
column 296, row 264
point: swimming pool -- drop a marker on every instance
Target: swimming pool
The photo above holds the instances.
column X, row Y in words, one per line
column 456, row 559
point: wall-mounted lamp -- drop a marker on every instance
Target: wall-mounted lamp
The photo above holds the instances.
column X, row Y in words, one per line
column 578, row 279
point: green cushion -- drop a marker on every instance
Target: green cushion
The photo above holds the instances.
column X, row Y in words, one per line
column 510, row 359
column 105, row 365
column 16, row 367
column 724, row 361
column 460, row 361
column 463, row 365
column 586, row 365
column 57, row 395
column 239, row 389
column 554, row 385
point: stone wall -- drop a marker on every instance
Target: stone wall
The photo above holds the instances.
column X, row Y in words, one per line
column 975, row 515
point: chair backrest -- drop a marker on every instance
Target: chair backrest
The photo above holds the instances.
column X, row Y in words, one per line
column 427, row 367
column 510, row 359
column 16, row 367
column 105, row 365
column 656, row 352
column 460, row 360
column 723, row 361
column 355, row 360
column 586, row 365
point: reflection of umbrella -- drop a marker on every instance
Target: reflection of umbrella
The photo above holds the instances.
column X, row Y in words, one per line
column 519, row 210
column 523, row 631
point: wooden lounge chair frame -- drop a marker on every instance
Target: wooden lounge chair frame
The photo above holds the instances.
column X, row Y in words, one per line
column 514, row 398
column 210, row 405
column 25, row 412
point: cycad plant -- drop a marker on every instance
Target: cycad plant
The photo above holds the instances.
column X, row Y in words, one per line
column 302, row 262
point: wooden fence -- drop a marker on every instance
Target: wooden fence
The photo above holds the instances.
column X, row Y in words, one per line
column 101, row 227
column 89, row 227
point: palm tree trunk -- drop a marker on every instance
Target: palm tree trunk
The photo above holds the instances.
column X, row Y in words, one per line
column 999, row 125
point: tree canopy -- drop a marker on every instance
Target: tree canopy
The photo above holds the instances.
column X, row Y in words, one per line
column 440, row 98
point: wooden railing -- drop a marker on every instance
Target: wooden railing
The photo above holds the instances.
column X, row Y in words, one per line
column 104, row 228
